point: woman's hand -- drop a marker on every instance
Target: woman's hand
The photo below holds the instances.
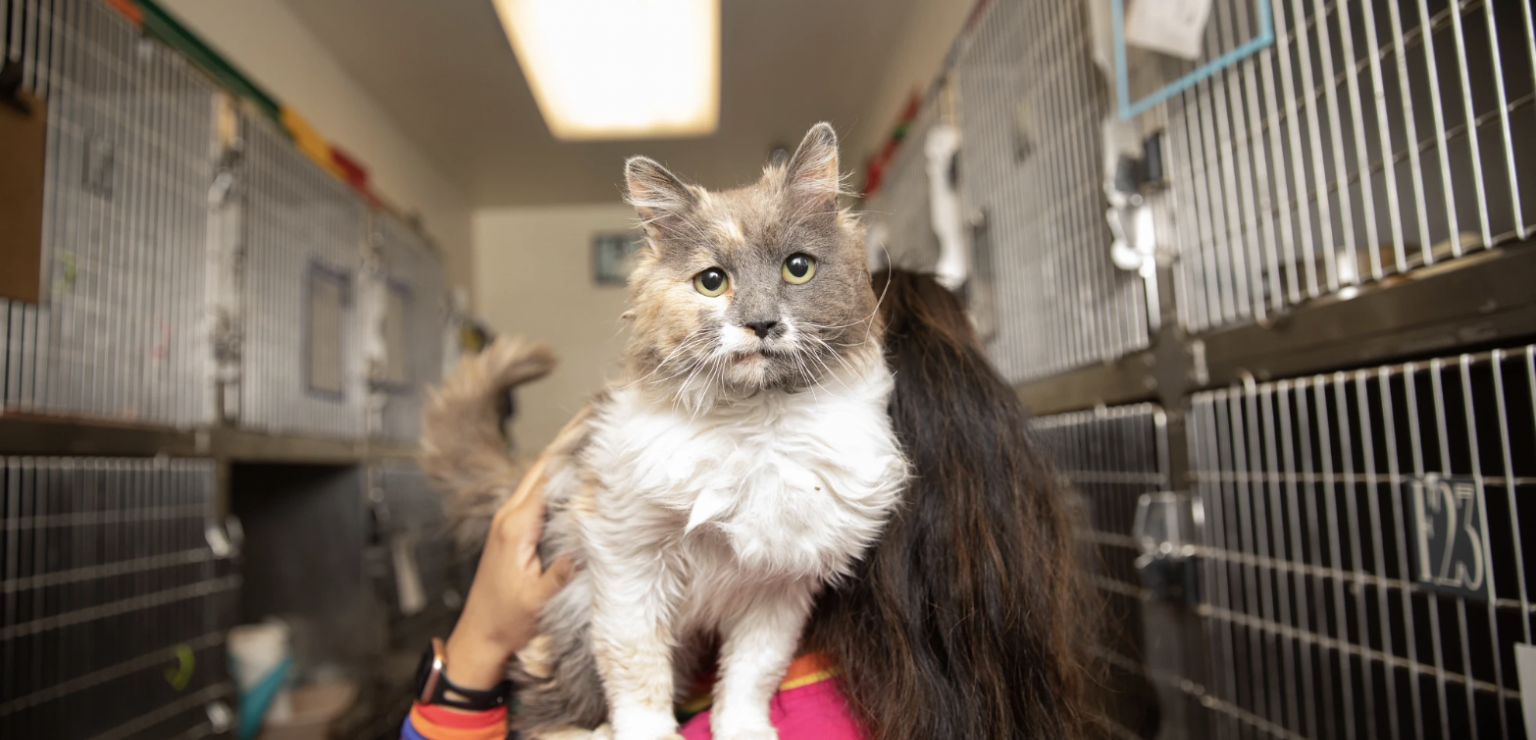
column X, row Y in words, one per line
column 510, row 587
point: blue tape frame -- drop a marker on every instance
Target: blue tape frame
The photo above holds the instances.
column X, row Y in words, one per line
column 1129, row 110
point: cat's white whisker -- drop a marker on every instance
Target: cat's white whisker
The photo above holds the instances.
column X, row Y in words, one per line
column 690, row 342
column 878, row 301
column 827, row 371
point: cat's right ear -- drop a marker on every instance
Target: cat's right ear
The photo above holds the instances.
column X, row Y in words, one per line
column 654, row 192
column 812, row 173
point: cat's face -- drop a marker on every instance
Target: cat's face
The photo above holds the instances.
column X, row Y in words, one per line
column 765, row 286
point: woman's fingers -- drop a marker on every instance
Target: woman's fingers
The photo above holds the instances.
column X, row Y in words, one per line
column 520, row 521
column 520, row 524
column 531, row 486
column 555, row 578
column 518, row 528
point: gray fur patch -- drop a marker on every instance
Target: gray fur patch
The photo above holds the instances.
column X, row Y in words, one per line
column 573, row 693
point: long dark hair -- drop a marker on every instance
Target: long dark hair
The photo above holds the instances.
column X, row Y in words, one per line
column 967, row 619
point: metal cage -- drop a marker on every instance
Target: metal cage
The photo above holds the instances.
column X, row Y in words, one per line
column 1365, row 574
column 128, row 164
column 1030, row 105
column 26, row 34
column 115, row 604
column 423, row 558
column 303, row 367
column 899, row 216
column 1111, row 458
column 415, row 528
column 413, row 318
column 1374, row 138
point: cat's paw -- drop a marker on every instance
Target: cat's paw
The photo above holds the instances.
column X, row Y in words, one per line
column 569, row 733
column 606, row 732
column 603, row 732
column 756, row 733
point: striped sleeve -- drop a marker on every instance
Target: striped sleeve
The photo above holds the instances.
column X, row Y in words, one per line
column 428, row 722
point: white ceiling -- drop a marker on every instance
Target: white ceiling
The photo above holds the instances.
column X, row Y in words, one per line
column 446, row 73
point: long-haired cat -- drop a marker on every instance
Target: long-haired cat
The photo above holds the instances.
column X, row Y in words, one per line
column 746, row 461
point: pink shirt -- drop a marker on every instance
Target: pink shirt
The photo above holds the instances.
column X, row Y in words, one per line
column 808, row 705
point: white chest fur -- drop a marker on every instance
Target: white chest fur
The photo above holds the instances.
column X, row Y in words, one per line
column 723, row 522
column 796, row 484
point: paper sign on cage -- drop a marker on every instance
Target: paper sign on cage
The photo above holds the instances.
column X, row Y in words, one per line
column 1179, row 28
column 1173, row 27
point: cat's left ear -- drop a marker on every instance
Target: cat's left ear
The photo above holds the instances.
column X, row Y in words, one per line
column 812, row 174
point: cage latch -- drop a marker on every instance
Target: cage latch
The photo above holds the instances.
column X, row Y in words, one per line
column 1166, row 530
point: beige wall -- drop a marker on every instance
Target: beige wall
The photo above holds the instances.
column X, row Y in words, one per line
column 271, row 46
column 919, row 52
column 533, row 276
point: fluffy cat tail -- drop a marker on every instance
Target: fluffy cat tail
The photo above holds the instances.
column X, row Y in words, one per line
column 463, row 449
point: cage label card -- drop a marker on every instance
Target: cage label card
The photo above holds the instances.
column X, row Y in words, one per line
column 1175, row 27
column 1449, row 536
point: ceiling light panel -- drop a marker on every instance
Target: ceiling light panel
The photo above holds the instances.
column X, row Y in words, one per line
column 619, row 69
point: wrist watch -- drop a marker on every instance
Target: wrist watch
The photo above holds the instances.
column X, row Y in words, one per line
column 433, row 686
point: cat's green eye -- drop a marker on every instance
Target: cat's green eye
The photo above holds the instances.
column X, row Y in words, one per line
column 711, row 282
column 799, row 268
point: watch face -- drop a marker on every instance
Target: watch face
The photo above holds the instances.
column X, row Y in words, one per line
column 424, row 672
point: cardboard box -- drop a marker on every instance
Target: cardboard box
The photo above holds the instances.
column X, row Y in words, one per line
column 23, row 141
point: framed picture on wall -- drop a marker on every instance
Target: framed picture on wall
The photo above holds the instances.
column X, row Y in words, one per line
column 611, row 255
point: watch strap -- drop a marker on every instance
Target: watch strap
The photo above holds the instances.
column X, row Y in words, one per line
column 438, row 686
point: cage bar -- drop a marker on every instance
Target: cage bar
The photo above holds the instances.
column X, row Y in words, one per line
column 1378, row 137
column 303, row 366
column 127, row 165
column 899, row 216
column 115, row 606
column 1110, row 458
column 1030, row 109
column 412, row 526
column 411, row 318
column 1364, row 549
column 413, row 520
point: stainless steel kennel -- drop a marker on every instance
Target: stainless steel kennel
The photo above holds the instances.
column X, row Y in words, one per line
column 128, row 165
column 198, row 268
column 1301, row 433
column 1361, row 567
column 201, row 350
column 115, row 600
